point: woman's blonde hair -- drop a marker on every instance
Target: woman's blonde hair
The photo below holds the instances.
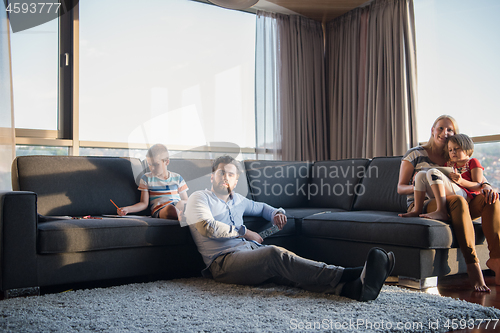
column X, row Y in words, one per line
column 429, row 143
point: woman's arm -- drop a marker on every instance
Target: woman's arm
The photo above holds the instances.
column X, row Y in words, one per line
column 405, row 173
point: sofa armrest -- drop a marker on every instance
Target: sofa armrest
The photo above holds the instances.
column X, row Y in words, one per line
column 18, row 233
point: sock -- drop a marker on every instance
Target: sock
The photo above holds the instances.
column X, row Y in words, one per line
column 351, row 274
column 352, row 289
column 353, row 285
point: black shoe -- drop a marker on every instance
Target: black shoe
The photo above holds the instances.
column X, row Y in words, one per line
column 378, row 266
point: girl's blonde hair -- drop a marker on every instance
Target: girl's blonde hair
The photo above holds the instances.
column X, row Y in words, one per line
column 429, row 143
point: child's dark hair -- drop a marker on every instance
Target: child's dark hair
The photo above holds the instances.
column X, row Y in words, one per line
column 463, row 141
column 226, row 159
column 157, row 150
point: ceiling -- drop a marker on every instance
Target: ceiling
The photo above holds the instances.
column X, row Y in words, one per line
column 319, row 10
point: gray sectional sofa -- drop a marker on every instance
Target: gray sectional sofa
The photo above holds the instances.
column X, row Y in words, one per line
column 337, row 211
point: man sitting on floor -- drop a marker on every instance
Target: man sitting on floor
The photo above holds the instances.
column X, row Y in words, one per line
column 234, row 254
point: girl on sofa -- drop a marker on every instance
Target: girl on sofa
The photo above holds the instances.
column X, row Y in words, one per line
column 433, row 183
column 485, row 205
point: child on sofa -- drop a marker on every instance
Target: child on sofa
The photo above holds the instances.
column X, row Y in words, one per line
column 465, row 180
column 165, row 191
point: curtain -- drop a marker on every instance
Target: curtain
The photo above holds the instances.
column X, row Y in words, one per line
column 295, row 61
column 267, row 117
column 7, row 129
column 371, row 81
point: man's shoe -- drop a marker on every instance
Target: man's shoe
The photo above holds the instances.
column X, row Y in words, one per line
column 378, row 266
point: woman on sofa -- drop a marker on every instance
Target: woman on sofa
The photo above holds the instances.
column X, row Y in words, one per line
column 462, row 213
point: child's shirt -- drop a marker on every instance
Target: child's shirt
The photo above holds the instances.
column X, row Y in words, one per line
column 465, row 171
column 162, row 192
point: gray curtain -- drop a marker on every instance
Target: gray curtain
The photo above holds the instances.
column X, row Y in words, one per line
column 298, row 86
column 7, row 130
column 371, row 80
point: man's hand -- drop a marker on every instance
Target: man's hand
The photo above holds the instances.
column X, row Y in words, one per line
column 279, row 220
column 253, row 236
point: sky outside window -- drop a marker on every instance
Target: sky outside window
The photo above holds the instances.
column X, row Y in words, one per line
column 35, row 69
column 458, row 43
column 177, row 72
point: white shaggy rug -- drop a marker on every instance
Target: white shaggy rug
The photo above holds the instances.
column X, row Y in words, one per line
column 202, row 305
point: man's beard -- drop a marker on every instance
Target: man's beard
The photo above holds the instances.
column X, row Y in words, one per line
column 221, row 189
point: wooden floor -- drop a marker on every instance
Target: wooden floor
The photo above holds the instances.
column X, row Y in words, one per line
column 458, row 286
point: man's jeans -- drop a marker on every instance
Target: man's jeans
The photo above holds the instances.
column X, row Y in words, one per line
column 269, row 262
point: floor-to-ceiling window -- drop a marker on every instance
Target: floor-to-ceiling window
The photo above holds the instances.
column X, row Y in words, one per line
column 179, row 72
column 458, row 42
column 35, row 71
column 35, row 74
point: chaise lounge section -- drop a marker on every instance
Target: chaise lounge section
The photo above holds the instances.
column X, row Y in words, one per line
column 347, row 207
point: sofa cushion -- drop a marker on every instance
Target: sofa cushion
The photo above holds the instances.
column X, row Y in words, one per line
column 77, row 185
column 300, row 213
column 378, row 188
column 279, row 183
column 333, row 184
column 83, row 235
column 383, row 228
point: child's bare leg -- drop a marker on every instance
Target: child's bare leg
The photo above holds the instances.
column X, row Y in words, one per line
column 476, row 277
column 420, row 188
column 494, row 265
column 169, row 212
column 441, row 213
column 418, row 205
